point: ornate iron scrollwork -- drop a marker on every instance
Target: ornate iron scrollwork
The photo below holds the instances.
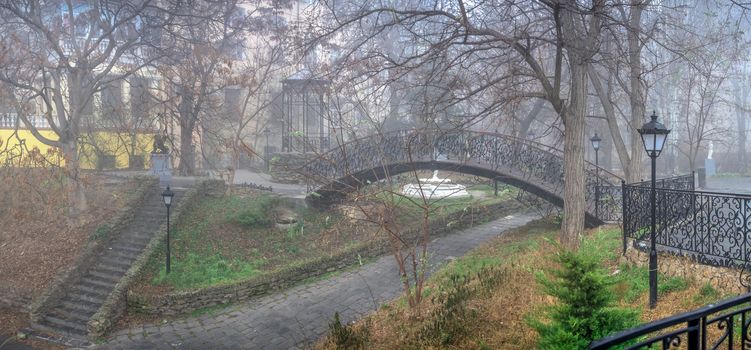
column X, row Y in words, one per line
column 505, row 155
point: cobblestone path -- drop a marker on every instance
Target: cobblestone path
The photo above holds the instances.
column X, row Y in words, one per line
column 300, row 315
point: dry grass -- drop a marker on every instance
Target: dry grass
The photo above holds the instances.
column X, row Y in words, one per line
column 500, row 320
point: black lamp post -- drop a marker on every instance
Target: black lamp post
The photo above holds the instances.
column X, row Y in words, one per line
column 266, row 133
column 596, row 145
column 653, row 134
column 167, row 196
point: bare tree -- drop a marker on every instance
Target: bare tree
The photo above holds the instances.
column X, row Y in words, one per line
column 57, row 55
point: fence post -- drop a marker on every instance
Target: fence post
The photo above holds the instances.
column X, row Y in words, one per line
column 623, row 213
column 693, row 180
column 693, row 335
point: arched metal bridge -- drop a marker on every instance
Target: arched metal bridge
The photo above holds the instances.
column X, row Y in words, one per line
column 529, row 165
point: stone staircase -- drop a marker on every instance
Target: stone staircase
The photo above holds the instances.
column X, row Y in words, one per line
column 70, row 315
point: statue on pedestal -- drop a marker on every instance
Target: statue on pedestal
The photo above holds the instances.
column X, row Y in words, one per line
column 159, row 144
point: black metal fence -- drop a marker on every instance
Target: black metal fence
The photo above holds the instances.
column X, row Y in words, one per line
column 680, row 182
column 610, row 198
column 711, row 228
column 725, row 324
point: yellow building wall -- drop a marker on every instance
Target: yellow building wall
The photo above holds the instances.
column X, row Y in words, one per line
column 109, row 143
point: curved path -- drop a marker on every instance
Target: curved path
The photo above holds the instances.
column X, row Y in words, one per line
column 300, row 315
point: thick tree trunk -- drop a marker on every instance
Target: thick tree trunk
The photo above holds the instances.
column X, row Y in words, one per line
column 187, row 165
column 636, row 97
column 573, row 157
column 76, row 192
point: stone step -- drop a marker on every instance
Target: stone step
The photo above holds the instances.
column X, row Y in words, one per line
column 111, row 270
column 133, row 241
column 83, row 299
column 147, row 220
column 128, row 247
column 116, row 259
column 94, row 281
column 102, row 276
column 64, row 326
column 70, row 315
column 114, row 264
column 48, row 327
column 122, row 254
column 93, row 289
column 146, row 237
column 83, row 307
column 76, row 294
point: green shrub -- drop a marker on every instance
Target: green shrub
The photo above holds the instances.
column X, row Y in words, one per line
column 583, row 312
column 256, row 214
column 344, row 337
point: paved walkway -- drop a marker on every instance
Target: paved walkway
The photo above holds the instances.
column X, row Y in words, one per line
column 300, row 315
column 730, row 184
column 287, row 190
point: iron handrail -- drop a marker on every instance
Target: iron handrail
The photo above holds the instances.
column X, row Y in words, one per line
column 540, row 146
column 696, row 322
column 700, row 192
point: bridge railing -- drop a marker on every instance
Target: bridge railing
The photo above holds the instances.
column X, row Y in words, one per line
column 725, row 324
column 537, row 163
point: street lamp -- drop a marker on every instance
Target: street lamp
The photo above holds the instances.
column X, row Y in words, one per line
column 653, row 134
column 167, row 197
column 266, row 133
column 596, row 145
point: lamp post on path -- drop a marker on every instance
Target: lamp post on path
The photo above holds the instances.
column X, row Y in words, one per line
column 596, row 145
column 653, row 135
column 167, row 197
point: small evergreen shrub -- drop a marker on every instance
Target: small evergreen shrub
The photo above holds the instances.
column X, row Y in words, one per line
column 584, row 311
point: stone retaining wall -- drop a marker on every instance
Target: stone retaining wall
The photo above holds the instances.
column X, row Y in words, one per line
column 116, row 302
column 186, row 301
column 724, row 279
column 284, row 167
column 64, row 280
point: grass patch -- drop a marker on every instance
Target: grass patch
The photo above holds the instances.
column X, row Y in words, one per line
column 200, row 271
column 632, row 282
